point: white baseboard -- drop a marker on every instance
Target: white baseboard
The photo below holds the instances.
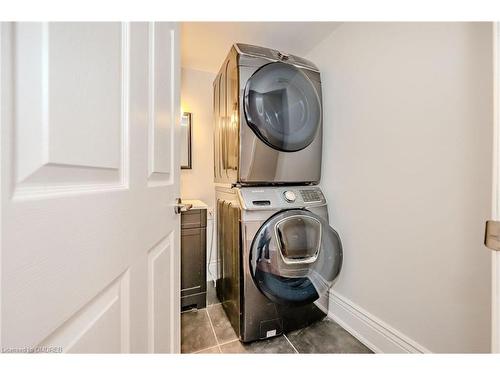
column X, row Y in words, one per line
column 371, row 331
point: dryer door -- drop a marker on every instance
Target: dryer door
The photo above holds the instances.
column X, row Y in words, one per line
column 295, row 257
column 282, row 106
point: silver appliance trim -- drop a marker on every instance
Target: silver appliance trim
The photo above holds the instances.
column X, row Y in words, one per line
column 301, row 66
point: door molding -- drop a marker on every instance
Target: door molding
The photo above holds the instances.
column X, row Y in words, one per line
column 495, row 209
column 3, row 113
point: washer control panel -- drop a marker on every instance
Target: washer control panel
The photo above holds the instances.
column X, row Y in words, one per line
column 280, row 197
column 310, row 196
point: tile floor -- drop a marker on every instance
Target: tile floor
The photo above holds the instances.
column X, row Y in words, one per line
column 208, row 331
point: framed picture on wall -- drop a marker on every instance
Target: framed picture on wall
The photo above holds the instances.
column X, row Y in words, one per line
column 186, row 159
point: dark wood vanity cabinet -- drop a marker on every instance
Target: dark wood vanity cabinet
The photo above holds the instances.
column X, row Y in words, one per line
column 193, row 259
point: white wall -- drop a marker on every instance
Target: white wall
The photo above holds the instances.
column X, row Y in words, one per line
column 196, row 97
column 197, row 183
column 407, row 173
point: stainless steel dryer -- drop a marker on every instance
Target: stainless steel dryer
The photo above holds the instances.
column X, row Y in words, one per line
column 268, row 118
column 279, row 256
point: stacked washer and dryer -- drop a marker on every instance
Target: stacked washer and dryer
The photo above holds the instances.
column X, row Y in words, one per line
column 278, row 254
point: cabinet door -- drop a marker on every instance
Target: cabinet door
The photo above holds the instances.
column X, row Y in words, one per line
column 193, row 261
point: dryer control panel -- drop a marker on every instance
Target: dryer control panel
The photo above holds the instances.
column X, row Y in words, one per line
column 280, row 197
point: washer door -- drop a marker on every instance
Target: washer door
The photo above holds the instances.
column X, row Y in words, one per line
column 295, row 257
column 282, row 106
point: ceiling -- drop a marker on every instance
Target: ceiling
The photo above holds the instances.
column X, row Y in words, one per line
column 206, row 44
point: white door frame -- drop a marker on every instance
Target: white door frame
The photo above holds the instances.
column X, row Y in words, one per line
column 495, row 205
column 1, row 203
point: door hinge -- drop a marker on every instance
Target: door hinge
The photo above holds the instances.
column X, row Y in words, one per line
column 492, row 235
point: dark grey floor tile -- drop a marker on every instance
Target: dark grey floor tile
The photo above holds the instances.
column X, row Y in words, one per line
column 223, row 329
column 211, row 294
column 196, row 331
column 271, row 346
column 325, row 336
column 213, row 350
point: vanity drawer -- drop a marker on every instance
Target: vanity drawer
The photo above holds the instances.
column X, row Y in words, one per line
column 194, row 219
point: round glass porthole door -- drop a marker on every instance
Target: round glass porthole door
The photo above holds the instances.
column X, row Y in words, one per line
column 295, row 257
column 282, row 107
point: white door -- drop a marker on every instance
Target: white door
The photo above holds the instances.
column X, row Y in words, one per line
column 89, row 176
column 495, row 272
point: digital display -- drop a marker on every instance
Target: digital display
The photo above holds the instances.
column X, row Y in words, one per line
column 310, row 196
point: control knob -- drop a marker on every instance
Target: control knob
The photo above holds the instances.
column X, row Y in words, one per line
column 289, row 196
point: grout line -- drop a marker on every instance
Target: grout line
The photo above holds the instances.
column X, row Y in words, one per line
column 228, row 342
column 213, row 329
column 202, row 350
column 192, row 310
column 294, row 348
column 220, row 344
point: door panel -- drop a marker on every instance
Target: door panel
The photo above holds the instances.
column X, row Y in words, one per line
column 162, row 103
column 83, row 69
column 160, row 297
column 83, row 66
column 101, row 326
column 87, row 108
